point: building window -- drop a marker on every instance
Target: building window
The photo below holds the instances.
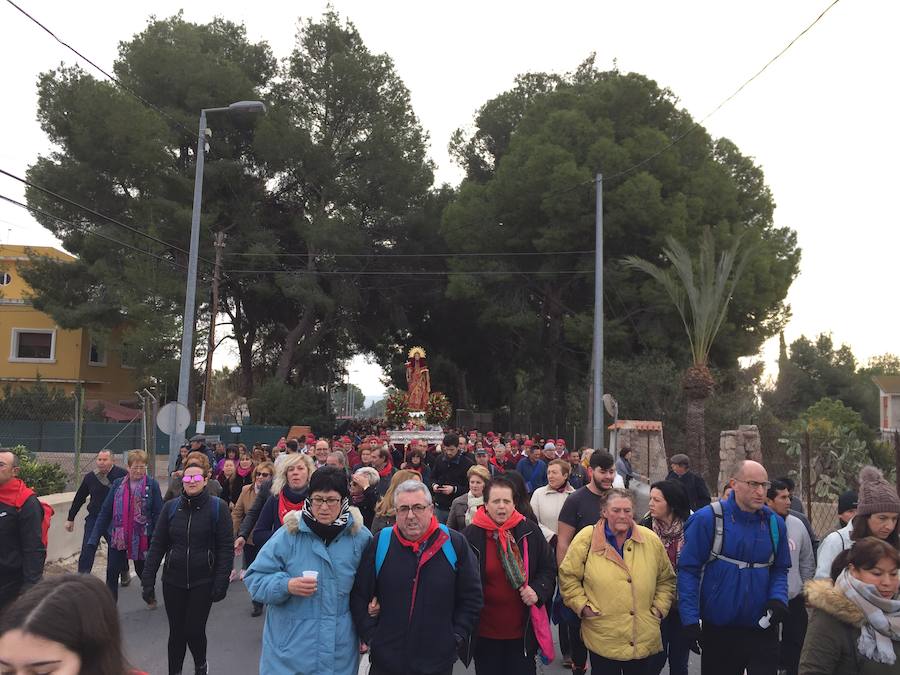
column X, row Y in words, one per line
column 97, row 356
column 5, row 279
column 128, row 356
column 33, row 345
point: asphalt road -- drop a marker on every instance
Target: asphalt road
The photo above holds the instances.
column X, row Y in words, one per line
column 234, row 636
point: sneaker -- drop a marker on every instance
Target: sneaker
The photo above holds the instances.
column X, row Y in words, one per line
column 567, row 662
column 152, row 604
column 243, row 574
column 232, row 577
column 125, row 578
column 202, row 670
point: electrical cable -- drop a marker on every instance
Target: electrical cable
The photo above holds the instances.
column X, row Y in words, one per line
column 112, row 78
column 110, row 219
column 83, row 230
column 498, row 254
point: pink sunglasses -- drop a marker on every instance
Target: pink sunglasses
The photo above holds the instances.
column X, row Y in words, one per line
column 196, row 478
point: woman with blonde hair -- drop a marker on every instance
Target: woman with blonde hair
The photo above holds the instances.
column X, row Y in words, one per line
column 127, row 517
column 261, row 473
column 289, row 492
column 385, row 513
column 463, row 508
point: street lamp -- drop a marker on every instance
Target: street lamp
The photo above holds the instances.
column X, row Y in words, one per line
column 190, row 295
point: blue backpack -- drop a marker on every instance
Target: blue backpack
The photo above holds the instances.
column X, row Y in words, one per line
column 384, row 542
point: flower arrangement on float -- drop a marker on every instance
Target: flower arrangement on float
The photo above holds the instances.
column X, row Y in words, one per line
column 438, row 410
column 396, row 409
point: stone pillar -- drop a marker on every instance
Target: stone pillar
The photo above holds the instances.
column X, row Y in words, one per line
column 648, row 451
column 734, row 446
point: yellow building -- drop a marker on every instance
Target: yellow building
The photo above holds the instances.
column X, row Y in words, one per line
column 32, row 345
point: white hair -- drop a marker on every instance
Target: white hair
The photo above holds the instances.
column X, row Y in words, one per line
column 370, row 473
column 413, row 485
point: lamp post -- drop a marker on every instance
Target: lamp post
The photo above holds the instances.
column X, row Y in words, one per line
column 190, row 295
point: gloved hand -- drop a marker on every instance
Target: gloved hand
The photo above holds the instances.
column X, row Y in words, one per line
column 779, row 611
column 218, row 593
column 692, row 636
column 148, row 593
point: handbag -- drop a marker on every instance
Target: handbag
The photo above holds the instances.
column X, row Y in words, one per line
column 540, row 622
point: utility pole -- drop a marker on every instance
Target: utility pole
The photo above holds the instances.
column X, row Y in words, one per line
column 219, row 243
column 597, row 357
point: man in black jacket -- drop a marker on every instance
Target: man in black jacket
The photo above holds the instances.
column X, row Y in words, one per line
column 694, row 485
column 427, row 587
column 96, row 486
column 449, row 476
column 22, row 550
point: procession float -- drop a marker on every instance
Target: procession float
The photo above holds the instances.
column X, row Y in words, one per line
column 417, row 413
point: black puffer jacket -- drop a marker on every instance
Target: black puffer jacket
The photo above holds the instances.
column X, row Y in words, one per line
column 198, row 546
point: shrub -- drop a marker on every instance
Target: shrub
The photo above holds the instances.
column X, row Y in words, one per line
column 42, row 477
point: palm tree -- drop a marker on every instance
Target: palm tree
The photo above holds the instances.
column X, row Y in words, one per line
column 702, row 303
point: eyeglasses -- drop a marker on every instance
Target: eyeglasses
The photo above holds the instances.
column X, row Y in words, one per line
column 755, row 485
column 263, row 475
column 418, row 509
column 322, row 501
column 138, row 466
column 195, row 478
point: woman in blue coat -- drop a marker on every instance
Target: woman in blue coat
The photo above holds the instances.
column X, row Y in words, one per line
column 309, row 630
column 127, row 518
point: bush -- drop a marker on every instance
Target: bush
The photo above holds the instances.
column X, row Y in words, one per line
column 279, row 403
column 42, row 477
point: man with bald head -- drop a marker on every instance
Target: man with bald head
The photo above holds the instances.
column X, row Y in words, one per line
column 732, row 577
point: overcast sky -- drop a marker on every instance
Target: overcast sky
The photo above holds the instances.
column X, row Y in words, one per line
column 821, row 121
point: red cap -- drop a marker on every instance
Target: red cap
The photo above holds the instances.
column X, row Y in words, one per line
column 490, row 434
column 473, row 433
column 514, row 443
column 310, row 438
column 529, row 443
column 346, row 439
column 560, row 441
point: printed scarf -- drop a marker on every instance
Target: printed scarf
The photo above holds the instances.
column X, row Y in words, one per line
column 507, row 549
column 129, row 532
column 290, row 500
column 327, row 533
column 882, row 624
column 671, row 535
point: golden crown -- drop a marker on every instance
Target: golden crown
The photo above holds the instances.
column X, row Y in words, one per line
column 417, row 351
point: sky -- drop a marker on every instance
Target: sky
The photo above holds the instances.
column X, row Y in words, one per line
column 819, row 121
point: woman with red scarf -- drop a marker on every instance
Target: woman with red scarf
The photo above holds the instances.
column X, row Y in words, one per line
column 517, row 571
column 289, row 492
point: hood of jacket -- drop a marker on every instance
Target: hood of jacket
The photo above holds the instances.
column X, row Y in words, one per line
column 822, row 595
column 292, row 521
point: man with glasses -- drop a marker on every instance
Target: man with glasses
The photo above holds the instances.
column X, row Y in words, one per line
column 733, row 577
column 421, row 582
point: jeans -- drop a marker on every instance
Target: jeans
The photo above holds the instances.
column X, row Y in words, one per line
column 731, row 650
column 676, row 649
column 86, row 558
column 187, row 610
column 117, row 562
column 502, row 657
column 601, row 665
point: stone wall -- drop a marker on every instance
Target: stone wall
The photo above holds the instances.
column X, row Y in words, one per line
column 734, row 446
column 648, row 450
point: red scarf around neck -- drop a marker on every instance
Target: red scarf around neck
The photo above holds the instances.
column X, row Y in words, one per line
column 14, row 492
column 285, row 506
column 386, row 471
column 415, row 545
column 483, row 520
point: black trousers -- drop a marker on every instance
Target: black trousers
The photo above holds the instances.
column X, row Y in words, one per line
column 188, row 610
column 10, row 588
column 602, row 666
column 731, row 650
column 579, row 652
column 116, row 563
column 375, row 670
column 502, row 657
column 793, row 633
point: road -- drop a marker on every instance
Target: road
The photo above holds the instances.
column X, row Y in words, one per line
column 234, row 637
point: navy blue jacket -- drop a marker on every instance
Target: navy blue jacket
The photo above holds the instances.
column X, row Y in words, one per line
column 152, row 506
column 422, row 639
column 731, row 596
column 535, row 475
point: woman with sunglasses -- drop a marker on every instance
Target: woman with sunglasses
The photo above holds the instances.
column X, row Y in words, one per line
column 304, row 574
column 262, row 473
column 195, row 536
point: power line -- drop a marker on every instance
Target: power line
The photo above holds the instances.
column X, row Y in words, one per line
column 439, row 273
column 499, row 254
column 83, row 230
column 98, row 214
column 737, row 91
column 111, row 77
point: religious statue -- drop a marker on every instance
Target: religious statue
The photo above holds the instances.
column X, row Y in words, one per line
column 418, row 380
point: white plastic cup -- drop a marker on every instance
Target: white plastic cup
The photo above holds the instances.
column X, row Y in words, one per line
column 766, row 621
column 311, row 574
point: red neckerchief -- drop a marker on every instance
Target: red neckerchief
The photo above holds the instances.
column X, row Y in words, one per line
column 285, row 506
column 483, row 520
column 497, row 465
column 563, row 488
column 386, row 471
column 414, row 545
column 15, row 492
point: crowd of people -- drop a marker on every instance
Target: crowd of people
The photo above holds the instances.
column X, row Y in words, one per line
column 419, row 556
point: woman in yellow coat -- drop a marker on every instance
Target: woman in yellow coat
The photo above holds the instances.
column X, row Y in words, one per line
column 617, row 577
